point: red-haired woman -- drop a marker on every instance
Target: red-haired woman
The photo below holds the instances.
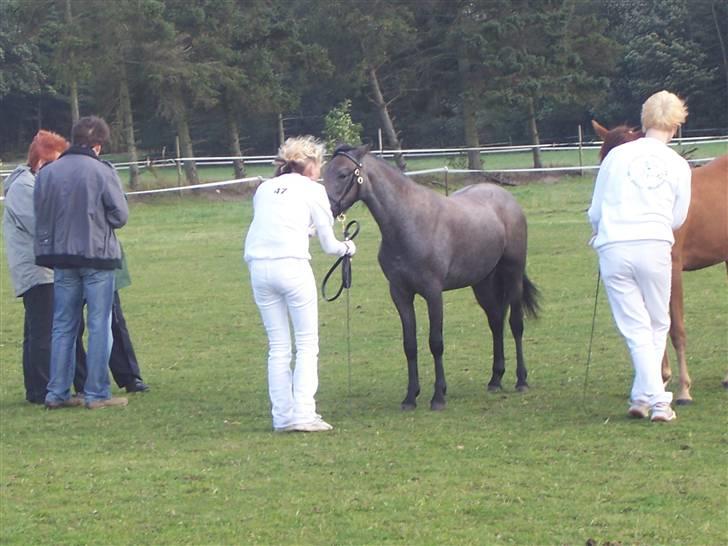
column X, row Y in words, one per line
column 31, row 282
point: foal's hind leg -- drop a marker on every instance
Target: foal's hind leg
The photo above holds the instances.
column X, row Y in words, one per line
column 490, row 298
column 516, row 323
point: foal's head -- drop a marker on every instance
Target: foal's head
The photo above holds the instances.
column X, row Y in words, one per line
column 615, row 136
column 343, row 176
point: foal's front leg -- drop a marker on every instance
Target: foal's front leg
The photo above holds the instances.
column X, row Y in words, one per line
column 404, row 302
column 434, row 309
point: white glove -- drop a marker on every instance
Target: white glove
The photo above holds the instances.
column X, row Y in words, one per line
column 350, row 248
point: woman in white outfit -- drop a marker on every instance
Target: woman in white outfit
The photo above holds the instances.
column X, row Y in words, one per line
column 286, row 208
column 641, row 195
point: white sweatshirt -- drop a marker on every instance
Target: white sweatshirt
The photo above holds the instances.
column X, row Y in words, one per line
column 285, row 208
column 642, row 193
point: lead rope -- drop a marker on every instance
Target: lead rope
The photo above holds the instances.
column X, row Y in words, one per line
column 350, row 231
column 591, row 336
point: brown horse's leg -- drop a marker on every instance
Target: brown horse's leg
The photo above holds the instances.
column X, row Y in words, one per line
column 404, row 302
column 434, row 309
column 666, row 370
column 677, row 333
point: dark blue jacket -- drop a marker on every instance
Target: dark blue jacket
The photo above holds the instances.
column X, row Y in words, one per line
column 78, row 204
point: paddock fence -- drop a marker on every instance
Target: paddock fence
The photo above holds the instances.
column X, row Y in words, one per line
column 412, row 153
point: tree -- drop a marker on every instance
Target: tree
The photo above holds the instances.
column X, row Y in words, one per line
column 28, row 96
column 340, row 128
column 662, row 51
column 380, row 36
column 541, row 62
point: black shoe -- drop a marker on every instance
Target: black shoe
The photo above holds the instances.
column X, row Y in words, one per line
column 137, row 386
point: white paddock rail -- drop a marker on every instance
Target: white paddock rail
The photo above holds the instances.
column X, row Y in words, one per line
column 444, row 169
column 413, row 152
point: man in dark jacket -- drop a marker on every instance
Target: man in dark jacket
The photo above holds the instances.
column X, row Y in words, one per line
column 79, row 202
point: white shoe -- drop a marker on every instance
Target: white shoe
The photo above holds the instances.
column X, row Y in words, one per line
column 288, row 428
column 318, row 425
column 638, row 410
column 663, row 413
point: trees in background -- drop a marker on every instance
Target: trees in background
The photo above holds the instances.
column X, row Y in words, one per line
column 232, row 76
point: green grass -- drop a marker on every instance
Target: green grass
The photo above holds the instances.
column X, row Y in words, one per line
column 194, row 461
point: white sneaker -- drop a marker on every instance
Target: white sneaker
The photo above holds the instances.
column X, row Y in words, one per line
column 663, row 413
column 318, row 425
column 638, row 410
column 288, row 428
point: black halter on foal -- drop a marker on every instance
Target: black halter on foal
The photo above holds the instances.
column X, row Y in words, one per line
column 356, row 176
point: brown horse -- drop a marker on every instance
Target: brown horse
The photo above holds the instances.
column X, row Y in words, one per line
column 700, row 242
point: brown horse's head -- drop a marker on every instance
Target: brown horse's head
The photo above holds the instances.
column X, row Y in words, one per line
column 615, row 136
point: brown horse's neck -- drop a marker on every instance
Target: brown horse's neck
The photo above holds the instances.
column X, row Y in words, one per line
column 616, row 136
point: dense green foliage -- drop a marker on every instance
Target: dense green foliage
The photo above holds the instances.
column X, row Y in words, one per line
column 232, row 76
column 194, row 461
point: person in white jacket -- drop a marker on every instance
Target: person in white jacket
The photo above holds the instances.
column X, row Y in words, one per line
column 286, row 210
column 641, row 195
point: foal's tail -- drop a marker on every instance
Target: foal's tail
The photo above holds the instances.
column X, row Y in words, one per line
column 530, row 297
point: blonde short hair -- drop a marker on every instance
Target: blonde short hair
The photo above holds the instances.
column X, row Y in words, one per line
column 296, row 152
column 663, row 110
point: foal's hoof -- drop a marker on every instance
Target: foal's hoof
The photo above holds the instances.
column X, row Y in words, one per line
column 494, row 388
column 438, row 405
column 408, row 406
column 684, row 401
column 521, row 388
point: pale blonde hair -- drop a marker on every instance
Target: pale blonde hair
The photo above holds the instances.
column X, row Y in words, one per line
column 663, row 110
column 296, row 152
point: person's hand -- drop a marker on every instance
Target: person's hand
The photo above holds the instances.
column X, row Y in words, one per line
column 350, row 248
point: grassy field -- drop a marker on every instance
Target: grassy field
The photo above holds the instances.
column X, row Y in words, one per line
column 194, row 461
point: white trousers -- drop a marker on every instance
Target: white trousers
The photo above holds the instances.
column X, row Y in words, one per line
column 286, row 288
column 637, row 278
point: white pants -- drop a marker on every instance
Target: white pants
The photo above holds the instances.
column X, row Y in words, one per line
column 283, row 288
column 637, row 277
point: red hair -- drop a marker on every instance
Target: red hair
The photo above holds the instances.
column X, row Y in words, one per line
column 45, row 147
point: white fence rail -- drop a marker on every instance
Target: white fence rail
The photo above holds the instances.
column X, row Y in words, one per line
column 411, row 152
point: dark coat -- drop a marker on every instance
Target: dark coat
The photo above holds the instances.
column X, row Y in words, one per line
column 78, row 204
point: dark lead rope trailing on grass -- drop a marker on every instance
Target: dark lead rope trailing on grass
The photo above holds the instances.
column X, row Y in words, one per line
column 350, row 231
column 591, row 335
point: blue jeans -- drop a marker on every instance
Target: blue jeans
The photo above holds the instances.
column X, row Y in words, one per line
column 71, row 288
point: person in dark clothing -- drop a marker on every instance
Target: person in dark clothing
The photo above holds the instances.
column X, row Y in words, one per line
column 31, row 282
column 78, row 205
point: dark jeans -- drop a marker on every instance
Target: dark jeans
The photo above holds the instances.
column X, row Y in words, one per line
column 38, row 303
column 123, row 361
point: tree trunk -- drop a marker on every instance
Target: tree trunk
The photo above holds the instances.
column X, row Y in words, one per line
column 533, row 129
column 281, row 132
column 234, row 139
column 470, row 110
column 185, row 141
column 386, row 119
column 721, row 43
column 127, row 123
column 73, row 83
